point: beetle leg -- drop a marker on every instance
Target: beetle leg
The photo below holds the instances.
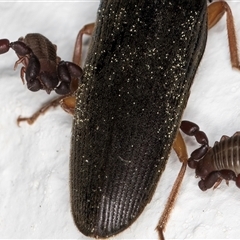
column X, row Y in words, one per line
column 181, row 151
column 215, row 12
column 68, row 104
column 77, row 54
column 41, row 111
column 170, row 202
column 180, row 148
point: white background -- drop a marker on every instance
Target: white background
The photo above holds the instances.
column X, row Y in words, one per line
column 34, row 160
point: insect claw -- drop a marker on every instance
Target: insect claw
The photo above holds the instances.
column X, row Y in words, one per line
column 218, row 182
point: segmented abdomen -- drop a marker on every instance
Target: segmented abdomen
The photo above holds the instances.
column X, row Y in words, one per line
column 226, row 153
column 41, row 46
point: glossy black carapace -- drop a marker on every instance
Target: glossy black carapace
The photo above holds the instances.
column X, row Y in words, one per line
column 137, row 78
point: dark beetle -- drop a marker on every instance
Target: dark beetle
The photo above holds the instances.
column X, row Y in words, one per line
column 137, row 77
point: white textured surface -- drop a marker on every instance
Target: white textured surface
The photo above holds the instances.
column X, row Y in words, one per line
column 34, row 160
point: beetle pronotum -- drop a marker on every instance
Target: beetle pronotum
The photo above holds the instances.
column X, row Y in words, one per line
column 196, row 110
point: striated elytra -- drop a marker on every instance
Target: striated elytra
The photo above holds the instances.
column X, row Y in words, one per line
column 137, row 77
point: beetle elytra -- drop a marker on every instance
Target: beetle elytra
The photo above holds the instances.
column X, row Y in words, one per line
column 199, row 106
column 136, row 84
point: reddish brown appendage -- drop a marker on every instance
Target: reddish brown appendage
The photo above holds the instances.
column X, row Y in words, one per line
column 192, row 129
column 41, row 111
column 181, row 151
column 87, row 30
column 215, row 12
column 4, row 46
column 68, row 104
